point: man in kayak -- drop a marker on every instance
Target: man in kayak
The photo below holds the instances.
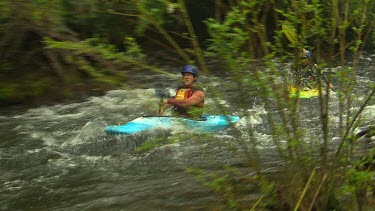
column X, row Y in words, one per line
column 308, row 76
column 189, row 98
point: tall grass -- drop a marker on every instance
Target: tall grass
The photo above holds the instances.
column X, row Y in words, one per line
column 310, row 179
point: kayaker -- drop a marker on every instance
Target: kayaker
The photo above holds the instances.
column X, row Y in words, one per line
column 308, row 74
column 189, row 98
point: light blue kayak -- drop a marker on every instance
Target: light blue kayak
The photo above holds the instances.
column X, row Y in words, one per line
column 208, row 124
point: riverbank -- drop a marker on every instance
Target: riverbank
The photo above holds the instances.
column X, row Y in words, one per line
column 36, row 93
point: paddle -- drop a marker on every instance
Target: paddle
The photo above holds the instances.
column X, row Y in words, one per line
column 161, row 93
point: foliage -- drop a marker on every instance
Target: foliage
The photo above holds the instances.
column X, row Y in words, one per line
column 155, row 10
column 248, row 26
column 300, row 187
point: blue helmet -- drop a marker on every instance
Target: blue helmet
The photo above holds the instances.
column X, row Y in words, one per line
column 190, row 69
column 308, row 54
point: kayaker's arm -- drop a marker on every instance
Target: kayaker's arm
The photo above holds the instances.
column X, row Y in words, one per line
column 196, row 98
column 162, row 108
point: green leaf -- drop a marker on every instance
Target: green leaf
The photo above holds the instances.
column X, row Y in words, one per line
column 290, row 32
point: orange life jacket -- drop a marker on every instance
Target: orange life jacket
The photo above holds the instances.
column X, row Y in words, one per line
column 185, row 93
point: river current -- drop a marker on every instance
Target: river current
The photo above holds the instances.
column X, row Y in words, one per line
column 58, row 157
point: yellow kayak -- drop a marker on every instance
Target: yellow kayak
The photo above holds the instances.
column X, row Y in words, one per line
column 303, row 93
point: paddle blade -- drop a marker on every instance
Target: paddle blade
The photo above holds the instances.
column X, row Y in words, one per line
column 290, row 32
column 162, row 93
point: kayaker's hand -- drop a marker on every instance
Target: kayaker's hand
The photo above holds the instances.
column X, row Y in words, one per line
column 330, row 86
column 163, row 101
column 162, row 105
column 160, row 112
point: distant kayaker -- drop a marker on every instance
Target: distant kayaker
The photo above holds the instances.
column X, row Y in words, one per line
column 308, row 72
column 189, row 98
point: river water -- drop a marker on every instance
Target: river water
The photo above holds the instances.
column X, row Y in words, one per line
column 58, row 157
